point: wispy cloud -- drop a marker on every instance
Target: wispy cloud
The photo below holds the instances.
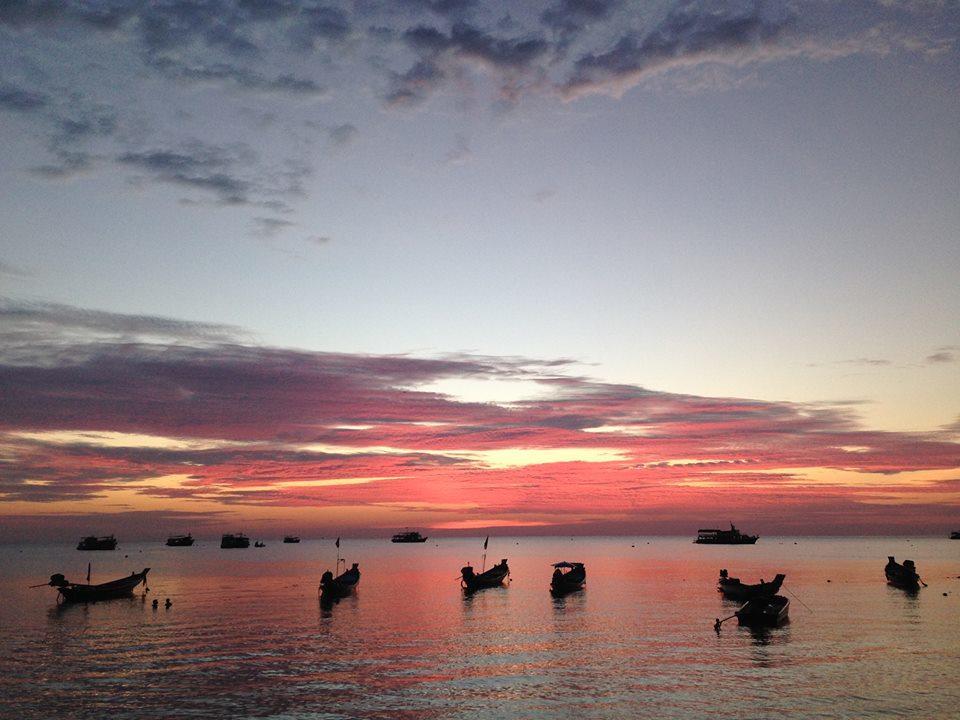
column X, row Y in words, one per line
column 100, row 406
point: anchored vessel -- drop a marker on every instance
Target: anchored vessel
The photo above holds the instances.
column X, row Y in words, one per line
column 955, row 535
column 79, row 592
column 567, row 577
column 180, row 540
column 902, row 576
column 234, row 541
column 493, row 577
column 733, row 589
column 92, row 542
column 291, row 538
column 764, row 611
column 408, row 536
column 334, row 588
column 713, row 536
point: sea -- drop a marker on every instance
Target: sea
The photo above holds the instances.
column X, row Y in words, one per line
column 246, row 637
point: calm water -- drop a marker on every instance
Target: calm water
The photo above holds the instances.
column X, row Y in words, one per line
column 246, row 636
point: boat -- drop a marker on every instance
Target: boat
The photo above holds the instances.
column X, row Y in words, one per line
column 291, row 538
column 239, row 540
column 567, row 577
column 92, row 542
column 713, row 536
column 764, row 611
column 80, row 592
column 902, row 576
column 409, row 536
column 955, row 535
column 180, row 540
column 259, row 543
column 493, row 577
column 334, row 588
column 733, row 589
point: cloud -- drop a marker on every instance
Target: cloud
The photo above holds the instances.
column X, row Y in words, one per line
column 12, row 271
column 100, row 407
column 268, row 227
column 689, row 34
column 865, row 361
column 341, row 135
column 946, row 354
column 17, row 99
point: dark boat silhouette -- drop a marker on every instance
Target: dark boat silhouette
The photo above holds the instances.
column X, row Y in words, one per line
column 902, row 576
column 180, row 540
column 92, row 542
column 713, row 536
column 493, row 577
column 408, row 536
column 955, row 535
column 764, row 611
column 567, row 577
column 80, row 592
column 229, row 541
column 334, row 588
column 291, row 538
column 733, row 589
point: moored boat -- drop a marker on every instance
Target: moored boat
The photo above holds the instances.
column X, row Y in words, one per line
column 902, row 576
column 714, row 536
column 80, row 592
column 334, row 588
column 567, row 577
column 291, row 538
column 493, row 577
column 92, row 542
column 408, row 536
column 733, row 589
column 764, row 611
column 955, row 535
column 232, row 541
column 180, row 540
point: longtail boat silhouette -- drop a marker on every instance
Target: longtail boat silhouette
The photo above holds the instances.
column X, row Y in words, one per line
column 567, row 577
column 332, row 587
column 764, row 611
column 734, row 589
column 471, row 581
column 86, row 592
column 902, row 576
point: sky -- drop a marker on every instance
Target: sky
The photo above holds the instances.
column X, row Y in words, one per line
column 573, row 266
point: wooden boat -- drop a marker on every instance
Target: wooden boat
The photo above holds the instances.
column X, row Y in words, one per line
column 902, row 576
column 228, row 541
column 92, row 542
column 291, row 538
column 180, row 540
column 733, row 589
column 713, row 536
column 334, row 588
column 493, row 577
column 79, row 592
column 764, row 611
column 409, row 536
column 567, row 577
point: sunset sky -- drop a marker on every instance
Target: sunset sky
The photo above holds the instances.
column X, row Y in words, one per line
column 575, row 266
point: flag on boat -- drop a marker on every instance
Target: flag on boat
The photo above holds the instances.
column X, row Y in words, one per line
column 485, row 542
column 338, row 542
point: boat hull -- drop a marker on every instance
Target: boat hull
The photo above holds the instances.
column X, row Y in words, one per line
column 124, row 587
column 494, row 577
column 764, row 612
column 180, row 542
column 92, row 543
column 234, row 542
column 335, row 588
column 733, row 589
column 747, row 540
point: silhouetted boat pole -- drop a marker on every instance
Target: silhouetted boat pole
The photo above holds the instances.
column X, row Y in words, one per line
column 337, row 567
column 88, row 573
column 485, row 554
column 718, row 622
column 798, row 599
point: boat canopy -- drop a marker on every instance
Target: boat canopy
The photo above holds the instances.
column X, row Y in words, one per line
column 566, row 564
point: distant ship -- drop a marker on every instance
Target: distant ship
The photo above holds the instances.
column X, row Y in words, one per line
column 411, row 536
column 92, row 542
column 955, row 535
column 711, row 536
column 239, row 540
column 291, row 538
column 180, row 540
